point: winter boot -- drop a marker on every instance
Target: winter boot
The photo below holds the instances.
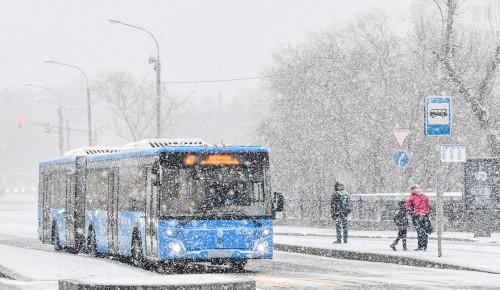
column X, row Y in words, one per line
column 393, row 246
column 404, row 245
column 337, row 242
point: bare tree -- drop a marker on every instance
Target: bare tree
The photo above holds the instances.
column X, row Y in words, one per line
column 472, row 72
column 130, row 102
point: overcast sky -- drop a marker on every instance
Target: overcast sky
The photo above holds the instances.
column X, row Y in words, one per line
column 198, row 39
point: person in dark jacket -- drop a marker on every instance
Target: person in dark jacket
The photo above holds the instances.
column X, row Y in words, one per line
column 419, row 207
column 341, row 207
column 401, row 220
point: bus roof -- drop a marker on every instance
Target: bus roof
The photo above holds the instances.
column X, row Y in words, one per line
column 60, row 160
column 181, row 149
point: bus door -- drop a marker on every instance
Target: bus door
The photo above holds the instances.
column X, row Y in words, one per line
column 69, row 213
column 112, row 213
column 46, row 209
column 151, row 220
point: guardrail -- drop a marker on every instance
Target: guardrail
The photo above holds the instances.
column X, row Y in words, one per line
column 375, row 213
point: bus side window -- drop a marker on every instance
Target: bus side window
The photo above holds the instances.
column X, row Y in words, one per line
column 136, row 190
column 155, row 174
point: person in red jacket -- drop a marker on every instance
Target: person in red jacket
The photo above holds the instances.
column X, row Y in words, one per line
column 419, row 207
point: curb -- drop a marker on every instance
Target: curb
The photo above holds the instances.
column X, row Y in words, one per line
column 372, row 257
column 163, row 283
column 369, row 237
column 11, row 275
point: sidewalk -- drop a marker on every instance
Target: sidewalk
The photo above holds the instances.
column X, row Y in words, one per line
column 459, row 250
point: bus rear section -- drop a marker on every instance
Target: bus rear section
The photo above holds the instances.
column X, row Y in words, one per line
column 60, row 214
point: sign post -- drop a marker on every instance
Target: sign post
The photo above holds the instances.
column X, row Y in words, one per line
column 438, row 123
column 449, row 153
column 400, row 157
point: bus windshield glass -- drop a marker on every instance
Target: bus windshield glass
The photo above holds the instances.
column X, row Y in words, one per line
column 215, row 185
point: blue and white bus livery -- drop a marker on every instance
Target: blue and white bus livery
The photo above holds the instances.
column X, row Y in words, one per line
column 175, row 201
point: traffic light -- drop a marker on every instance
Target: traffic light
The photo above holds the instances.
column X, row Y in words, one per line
column 20, row 121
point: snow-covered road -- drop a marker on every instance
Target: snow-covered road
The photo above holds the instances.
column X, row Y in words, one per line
column 37, row 266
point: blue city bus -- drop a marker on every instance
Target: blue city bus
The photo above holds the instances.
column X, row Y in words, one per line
column 162, row 202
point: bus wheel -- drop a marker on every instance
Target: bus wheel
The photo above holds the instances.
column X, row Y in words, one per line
column 55, row 238
column 238, row 265
column 180, row 266
column 217, row 262
column 136, row 252
column 160, row 268
column 92, row 244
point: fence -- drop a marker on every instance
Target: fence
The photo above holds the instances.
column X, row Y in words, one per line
column 375, row 213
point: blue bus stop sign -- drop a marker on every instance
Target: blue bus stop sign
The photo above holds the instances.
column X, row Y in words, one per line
column 401, row 159
column 437, row 116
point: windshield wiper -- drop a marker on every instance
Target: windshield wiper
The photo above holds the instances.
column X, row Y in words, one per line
column 183, row 223
column 227, row 213
column 242, row 214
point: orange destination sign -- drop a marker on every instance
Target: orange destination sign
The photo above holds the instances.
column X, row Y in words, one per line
column 222, row 159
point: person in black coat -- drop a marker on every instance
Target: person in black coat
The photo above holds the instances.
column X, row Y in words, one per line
column 340, row 204
column 401, row 220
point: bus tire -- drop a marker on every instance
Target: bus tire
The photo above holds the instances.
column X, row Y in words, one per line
column 92, row 243
column 238, row 265
column 180, row 266
column 136, row 251
column 55, row 238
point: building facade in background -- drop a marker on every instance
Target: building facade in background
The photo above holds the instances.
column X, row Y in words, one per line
column 478, row 15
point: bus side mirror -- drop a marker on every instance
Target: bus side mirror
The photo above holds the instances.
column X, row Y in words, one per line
column 278, row 201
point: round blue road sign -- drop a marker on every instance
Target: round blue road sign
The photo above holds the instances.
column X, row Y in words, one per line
column 401, row 158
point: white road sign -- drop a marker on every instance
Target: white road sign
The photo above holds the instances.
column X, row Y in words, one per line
column 453, row 153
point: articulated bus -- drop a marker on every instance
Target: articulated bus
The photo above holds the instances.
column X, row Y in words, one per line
column 161, row 201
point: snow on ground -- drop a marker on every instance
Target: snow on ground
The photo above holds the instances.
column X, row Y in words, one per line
column 40, row 267
column 482, row 253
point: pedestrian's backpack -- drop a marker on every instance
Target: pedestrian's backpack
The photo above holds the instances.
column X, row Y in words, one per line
column 345, row 203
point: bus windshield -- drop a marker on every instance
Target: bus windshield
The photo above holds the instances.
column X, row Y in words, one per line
column 235, row 186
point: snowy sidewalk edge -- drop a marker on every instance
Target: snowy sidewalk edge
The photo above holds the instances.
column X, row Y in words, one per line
column 110, row 284
column 12, row 275
column 373, row 257
column 370, row 237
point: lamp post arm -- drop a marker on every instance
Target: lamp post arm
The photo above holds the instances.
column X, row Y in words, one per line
column 140, row 28
column 89, row 110
column 59, row 113
column 157, row 68
column 73, row 66
column 47, row 89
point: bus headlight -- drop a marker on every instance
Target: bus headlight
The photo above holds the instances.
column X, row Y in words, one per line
column 175, row 248
column 265, row 232
column 262, row 247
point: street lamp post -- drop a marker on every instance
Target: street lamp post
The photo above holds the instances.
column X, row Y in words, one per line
column 157, row 68
column 59, row 113
column 89, row 115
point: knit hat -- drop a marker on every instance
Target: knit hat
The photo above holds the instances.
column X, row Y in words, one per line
column 339, row 186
